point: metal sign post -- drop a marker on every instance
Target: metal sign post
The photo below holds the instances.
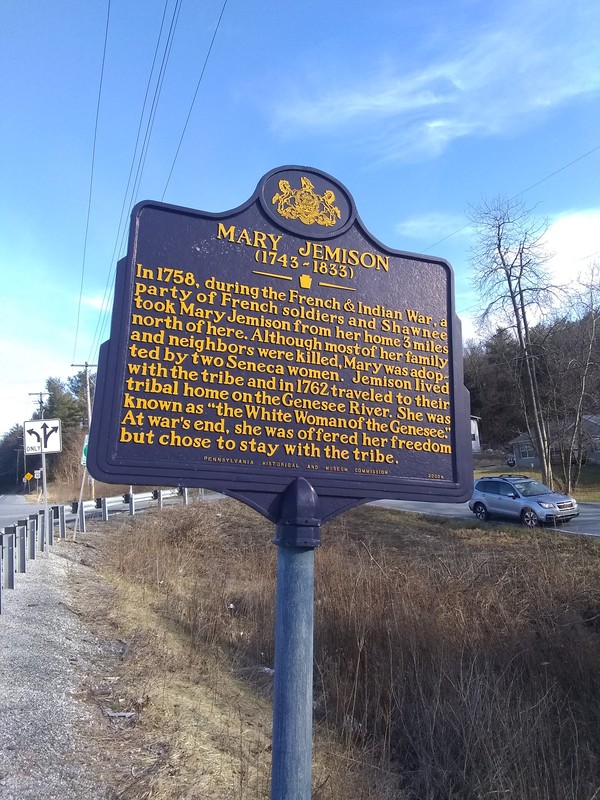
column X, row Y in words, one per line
column 296, row 537
column 26, row 479
column 41, row 436
column 45, row 496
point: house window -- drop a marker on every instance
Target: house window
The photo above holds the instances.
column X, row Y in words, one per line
column 526, row 451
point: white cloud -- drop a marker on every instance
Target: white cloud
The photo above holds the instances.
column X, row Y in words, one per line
column 97, row 302
column 573, row 238
column 503, row 75
column 468, row 327
column 25, row 369
column 433, row 226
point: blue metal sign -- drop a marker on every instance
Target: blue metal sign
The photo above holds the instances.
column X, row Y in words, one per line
column 277, row 341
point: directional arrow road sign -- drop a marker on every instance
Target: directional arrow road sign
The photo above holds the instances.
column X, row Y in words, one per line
column 42, row 436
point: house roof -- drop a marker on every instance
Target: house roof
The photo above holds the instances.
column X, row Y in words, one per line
column 522, row 437
column 591, row 425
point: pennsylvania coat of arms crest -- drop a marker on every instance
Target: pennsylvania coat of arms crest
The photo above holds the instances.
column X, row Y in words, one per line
column 305, row 204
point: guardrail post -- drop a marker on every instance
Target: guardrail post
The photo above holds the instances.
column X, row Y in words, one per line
column 22, row 545
column 24, row 524
column 41, row 529
column 32, row 526
column 8, row 557
column 131, row 503
column 104, row 507
column 186, row 498
column 55, row 518
column 50, row 525
column 81, row 518
column 62, row 523
column 159, row 497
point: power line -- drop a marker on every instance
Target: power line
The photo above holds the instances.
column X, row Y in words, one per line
column 89, row 206
column 149, row 126
column 122, row 229
column 523, row 191
column 110, row 278
column 155, row 99
column 214, row 36
column 141, row 159
column 560, row 169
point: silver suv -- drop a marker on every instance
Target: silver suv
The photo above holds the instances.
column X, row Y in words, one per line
column 520, row 497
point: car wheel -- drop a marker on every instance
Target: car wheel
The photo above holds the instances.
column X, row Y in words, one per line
column 530, row 518
column 480, row 511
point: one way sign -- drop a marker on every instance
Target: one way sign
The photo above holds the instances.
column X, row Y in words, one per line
column 42, row 436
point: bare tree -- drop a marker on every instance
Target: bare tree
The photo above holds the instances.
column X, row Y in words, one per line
column 573, row 373
column 509, row 261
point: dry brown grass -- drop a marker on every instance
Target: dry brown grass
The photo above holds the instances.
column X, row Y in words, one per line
column 450, row 663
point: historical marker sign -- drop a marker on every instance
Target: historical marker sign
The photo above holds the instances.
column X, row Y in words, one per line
column 279, row 340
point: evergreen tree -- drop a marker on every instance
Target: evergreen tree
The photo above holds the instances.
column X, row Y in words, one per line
column 12, row 460
column 491, row 369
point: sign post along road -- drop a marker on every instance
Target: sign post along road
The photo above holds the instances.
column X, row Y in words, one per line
column 281, row 340
column 280, row 354
column 43, row 436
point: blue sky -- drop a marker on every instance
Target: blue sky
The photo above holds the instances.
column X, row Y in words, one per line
column 420, row 108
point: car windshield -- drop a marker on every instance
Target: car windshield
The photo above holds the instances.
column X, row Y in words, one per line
column 531, row 488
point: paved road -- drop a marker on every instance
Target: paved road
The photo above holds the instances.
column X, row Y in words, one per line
column 588, row 521
column 14, row 507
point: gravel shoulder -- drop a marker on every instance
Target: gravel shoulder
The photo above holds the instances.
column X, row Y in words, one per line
column 101, row 700
column 51, row 737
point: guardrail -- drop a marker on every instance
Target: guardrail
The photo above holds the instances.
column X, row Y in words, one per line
column 32, row 535
column 23, row 541
column 130, row 499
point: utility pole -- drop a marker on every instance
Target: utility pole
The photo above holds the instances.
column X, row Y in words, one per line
column 17, row 451
column 40, row 401
column 87, row 366
column 88, row 395
column 24, row 453
column 40, row 396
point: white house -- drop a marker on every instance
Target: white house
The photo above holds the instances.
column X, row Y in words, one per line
column 475, row 439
